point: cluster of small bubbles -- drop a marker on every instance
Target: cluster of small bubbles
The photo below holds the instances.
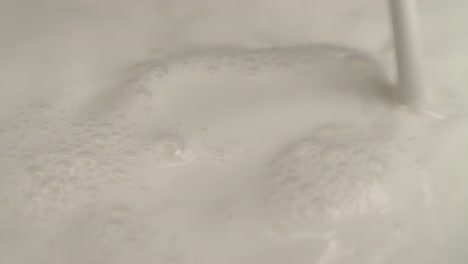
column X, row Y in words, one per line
column 80, row 157
column 335, row 174
column 323, row 58
column 170, row 150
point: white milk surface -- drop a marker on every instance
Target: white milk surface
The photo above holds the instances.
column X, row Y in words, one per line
column 228, row 132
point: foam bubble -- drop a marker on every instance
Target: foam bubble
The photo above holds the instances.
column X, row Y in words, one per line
column 170, row 150
column 159, row 72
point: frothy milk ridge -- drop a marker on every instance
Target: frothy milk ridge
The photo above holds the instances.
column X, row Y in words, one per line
column 297, row 147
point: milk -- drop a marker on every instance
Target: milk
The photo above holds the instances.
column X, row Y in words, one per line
column 216, row 132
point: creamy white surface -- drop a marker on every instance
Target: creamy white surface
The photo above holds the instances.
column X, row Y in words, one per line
column 210, row 131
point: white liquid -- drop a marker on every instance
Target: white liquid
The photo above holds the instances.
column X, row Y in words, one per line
column 170, row 132
column 408, row 46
